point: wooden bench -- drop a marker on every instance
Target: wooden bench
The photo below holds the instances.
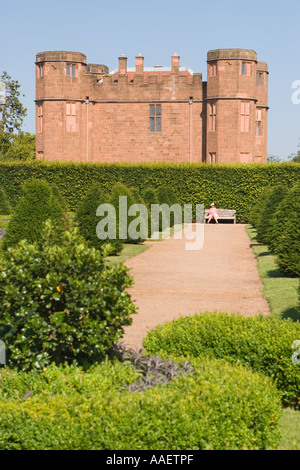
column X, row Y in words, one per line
column 224, row 214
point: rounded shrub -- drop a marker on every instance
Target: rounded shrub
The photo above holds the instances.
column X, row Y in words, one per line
column 259, row 206
column 35, row 206
column 5, row 207
column 264, row 226
column 131, row 228
column 262, row 343
column 166, row 195
column 61, row 301
column 87, row 219
column 285, row 232
column 219, row 406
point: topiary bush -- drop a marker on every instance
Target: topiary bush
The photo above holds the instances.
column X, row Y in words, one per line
column 60, row 301
column 129, row 222
column 259, row 206
column 217, row 406
column 35, row 206
column 5, row 207
column 262, row 343
column 265, row 223
column 87, row 219
column 285, row 233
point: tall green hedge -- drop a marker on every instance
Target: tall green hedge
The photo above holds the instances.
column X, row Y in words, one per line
column 229, row 186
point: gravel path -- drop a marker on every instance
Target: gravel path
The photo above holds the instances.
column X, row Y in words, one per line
column 171, row 281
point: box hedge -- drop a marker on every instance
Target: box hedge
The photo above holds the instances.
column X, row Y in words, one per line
column 218, row 406
column 262, row 343
column 61, row 301
column 229, row 186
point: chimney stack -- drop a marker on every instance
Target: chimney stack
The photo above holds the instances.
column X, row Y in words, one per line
column 175, row 63
column 139, row 64
column 123, row 64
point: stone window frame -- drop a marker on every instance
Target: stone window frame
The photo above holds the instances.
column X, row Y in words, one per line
column 71, row 70
column 260, row 79
column 213, row 117
column 245, row 116
column 39, row 114
column 213, row 69
column 40, row 71
column 155, row 118
column 212, row 157
column 246, row 69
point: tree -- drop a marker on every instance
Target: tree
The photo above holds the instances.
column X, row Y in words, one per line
column 273, row 158
column 12, row 114
column 295, row 157
column 19, row 146
column 37, row 204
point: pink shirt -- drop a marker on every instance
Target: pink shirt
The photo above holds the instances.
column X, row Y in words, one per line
column 213, row 211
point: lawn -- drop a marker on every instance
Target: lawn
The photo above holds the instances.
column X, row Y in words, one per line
column 281, row 292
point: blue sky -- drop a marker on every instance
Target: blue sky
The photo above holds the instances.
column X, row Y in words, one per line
column 103, row 30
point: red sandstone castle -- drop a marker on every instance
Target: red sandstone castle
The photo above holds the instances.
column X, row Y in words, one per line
column 87, row 114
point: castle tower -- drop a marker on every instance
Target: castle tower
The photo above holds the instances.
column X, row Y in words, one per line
column 61, row 109
column 237, row 104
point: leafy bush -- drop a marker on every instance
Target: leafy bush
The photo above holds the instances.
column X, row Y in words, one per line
column 234, row 186
column 5, row 207
column 264, row 226
column 259, row 207
column 166, row 195
column 262, row 343
column 218, row 406
column 60, row 301
column 285, row 232
column 124, row 227
column 87, row 219
column 35, row 206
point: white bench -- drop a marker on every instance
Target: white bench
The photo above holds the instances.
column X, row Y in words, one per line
column 224, row 214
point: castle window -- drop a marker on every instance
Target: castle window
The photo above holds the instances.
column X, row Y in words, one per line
column 260, row 79
column 245, row 117
column 246, row 68
column 40, row 71
column 258, row 121
column 39, row 123
column 213, row 117
column 155, row 118
column 71, row 70
column 212, row 157
column 71, row 117
column 213, row 70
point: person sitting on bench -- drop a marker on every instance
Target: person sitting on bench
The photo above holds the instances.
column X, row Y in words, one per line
column 213, row 213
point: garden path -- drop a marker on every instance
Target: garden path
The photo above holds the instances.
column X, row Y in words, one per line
column 171, row 281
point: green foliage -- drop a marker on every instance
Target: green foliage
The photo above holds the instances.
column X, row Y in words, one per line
column 285, row 232
column 18, row 146
column 231, row 186
column 35, row 206
column 58, row 195
column 264, row 226
column 87, row 219
column 5, row 207
column 259, row 207
column 218, row 406
column 263, row 344
column 60, row 301
column 13, row 112
column 150, row 196
column 126, row 222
